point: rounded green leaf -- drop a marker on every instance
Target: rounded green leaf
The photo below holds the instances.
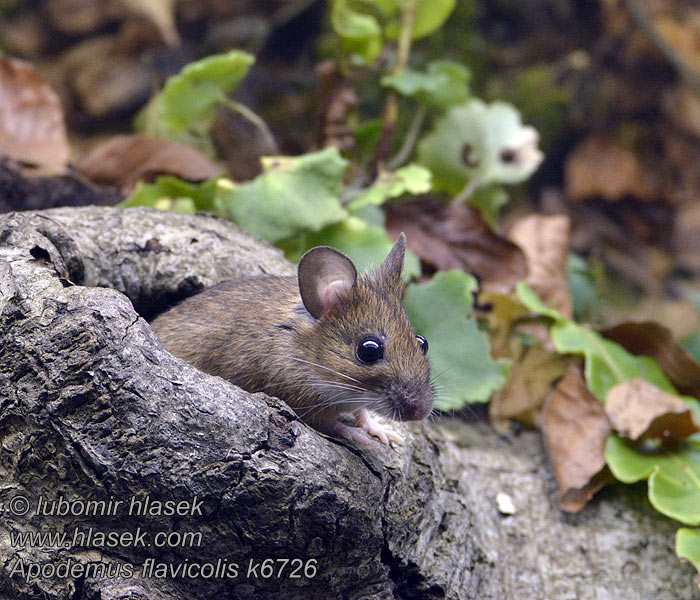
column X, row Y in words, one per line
column 460, row 355
column 293, row 195
column 673, row 472
column 444, row 84
column 186, row 106
column 476, row 142
column 173, row 194
column 430, row 16
column 366, row 245
column 360, row 32
column 411, row 179
column 688, row 545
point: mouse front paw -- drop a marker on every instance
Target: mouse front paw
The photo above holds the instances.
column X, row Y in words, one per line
column 366, row 422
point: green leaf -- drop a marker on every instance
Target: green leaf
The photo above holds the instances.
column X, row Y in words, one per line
column 291, row 196
column 171, row 193
column 531, row 300
column 444, row 83
column 459, row 352
column 360, row 32
column 688, row 545
column 606, row 363
column 367, row 245
column 411, row 179
column 479, row 144
column 430, row 16
column 582, row 281
column 489, row 200
column 186, row 106
column 674, row 476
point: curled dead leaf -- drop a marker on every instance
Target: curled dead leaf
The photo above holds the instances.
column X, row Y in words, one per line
column 545, row 242
column 652, row 339
column 639, row 410
column 575, row 428
column 455, row 236
column 32, row 127
column 530, row 381
column 123, row 160
column 601, row 167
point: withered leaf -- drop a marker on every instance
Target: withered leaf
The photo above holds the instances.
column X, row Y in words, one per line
column 455, row 236
column 123, row 160
column 601, row 167
column 639, row 410
column 529, row 382
column 652, row 339
column 575, row 428
column 545, row 242
column 32, row 127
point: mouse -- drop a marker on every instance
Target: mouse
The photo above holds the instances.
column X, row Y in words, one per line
column 328, row 342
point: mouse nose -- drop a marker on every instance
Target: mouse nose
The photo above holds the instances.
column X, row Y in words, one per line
column 414, row 406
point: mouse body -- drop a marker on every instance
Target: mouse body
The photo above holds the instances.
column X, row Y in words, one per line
column 327, row 341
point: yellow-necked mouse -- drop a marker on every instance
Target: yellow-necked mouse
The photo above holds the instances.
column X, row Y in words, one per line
column 326, row 342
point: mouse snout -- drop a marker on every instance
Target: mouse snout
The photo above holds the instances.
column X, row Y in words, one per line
column 412, row 404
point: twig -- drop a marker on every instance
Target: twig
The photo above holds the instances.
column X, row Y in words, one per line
column 467, row 191
column 391, row 108
column 410, row 140
column 253, row 118
column 641, row 18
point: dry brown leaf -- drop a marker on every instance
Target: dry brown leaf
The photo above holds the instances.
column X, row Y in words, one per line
column 529, row 383
column 123, row 160
column 639, row 410
column 651, row 339
column 575, row 428
column 545, row 242
column 159, row 12
column 457, row 237
column 32, row 127
column 601, row 167
column 682, row 106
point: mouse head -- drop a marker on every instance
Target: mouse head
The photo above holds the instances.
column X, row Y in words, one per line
column 362, row 338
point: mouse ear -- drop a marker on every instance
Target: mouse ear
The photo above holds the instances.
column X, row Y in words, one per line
column 389, row 271
column 326, row 279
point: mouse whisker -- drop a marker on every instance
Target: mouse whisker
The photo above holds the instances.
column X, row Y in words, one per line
column 308, row 362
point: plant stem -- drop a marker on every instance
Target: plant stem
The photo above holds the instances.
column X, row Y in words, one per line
column 645, row 23
column 253, row 118
column 391, row 108
column 467, row 191
column 410, row 140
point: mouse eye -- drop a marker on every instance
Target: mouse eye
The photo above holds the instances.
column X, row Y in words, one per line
column 423, row 343
column 370, row 349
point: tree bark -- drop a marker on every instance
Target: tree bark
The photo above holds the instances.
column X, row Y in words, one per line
column 93, row 409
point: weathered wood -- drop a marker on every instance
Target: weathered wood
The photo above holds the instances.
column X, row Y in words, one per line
column 93, row 408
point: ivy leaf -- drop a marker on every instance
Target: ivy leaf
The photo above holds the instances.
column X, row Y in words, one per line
column 292, row 195
column 674, row 477
column 430, row 16
column 184, row 110
column 459, row 352
column 688, row 545
column 173, row 194
column 366, row 245
column 411, row 179
column 479, row 144
column 444, row 83
column 360, row 32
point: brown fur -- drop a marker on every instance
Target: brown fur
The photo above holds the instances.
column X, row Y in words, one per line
column 256, row 332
